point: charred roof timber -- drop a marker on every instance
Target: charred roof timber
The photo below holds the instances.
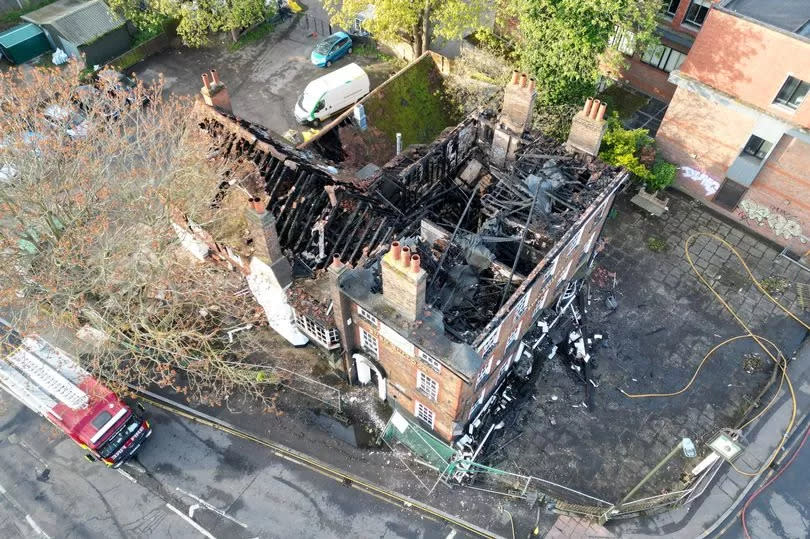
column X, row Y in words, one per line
column 478, row 224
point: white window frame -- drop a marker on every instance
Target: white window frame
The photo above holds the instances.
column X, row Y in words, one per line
column 367, row 316
column 522, row 305
column 489, row 343
column 427, row 386
column 369, row 343
column 623, row 41
column 327, row 337
column 430, row 360
column 513, row 336
column 538, row 306
column 422, row 413
column 663, row 57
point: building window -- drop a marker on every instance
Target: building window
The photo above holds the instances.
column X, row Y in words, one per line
column 792, row 93
column 670, row 7
column 427, row 386
column 369, row 343
column 697, row 12
column 424, row 413
column 624, row 41
column 522, row 305
column 539, row 305
column 489, row 343
column 327, row 337
column 367, row 316
column 430, row 360
column 730, row 194
column 513, row 336
column 663, row 57
column 757, row 147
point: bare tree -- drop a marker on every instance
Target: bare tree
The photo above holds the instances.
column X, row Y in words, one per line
column 90, row 179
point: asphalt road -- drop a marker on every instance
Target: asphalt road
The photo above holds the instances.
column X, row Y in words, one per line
column 232, row 488
column 782, row 510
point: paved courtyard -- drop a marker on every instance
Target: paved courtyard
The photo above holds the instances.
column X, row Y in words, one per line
column 264, row 78
column 665, row 322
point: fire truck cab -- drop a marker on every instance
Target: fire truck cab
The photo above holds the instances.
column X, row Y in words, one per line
column 52, row 384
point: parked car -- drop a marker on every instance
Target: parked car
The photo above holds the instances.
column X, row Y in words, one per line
column 331, row 49
column 332, row 93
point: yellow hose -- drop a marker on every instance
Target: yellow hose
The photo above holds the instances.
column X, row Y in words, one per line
column 778, row 359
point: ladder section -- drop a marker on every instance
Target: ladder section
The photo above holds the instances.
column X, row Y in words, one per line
column 24, row 390
column 56, row 358
column 47, row 378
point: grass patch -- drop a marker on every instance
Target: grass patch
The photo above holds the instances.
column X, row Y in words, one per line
column 413, row 104
column 251, row 36
column 623, row 101
column 656, row 245
column 10, row 18
column 370, row 50
column 774, row 284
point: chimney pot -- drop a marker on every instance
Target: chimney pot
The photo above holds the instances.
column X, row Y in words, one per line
column 523, row 80
column 415, row 263
column 406, row 256
column 257, row 205
column 215, row 76
column 595, row 108
column 395, row 250
column 515, row 76
column 336, row 263
column 587, row 108
column 206, row 84
column 600, row 115
column 532, row 83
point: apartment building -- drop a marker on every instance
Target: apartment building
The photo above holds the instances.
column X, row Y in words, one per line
column 648, row 69
column 738, row 124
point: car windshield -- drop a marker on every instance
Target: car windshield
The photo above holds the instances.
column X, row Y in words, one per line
column 326, row 45
column 122, row 435
column 308, row 101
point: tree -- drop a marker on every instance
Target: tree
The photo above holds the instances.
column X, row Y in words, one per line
column 563, row 42
column 196, row 20
column 418, row 21
column 90, row 183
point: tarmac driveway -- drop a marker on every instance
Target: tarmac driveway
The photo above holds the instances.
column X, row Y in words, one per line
column 264, row 79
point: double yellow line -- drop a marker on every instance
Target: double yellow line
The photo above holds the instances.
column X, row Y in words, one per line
column 314, row 464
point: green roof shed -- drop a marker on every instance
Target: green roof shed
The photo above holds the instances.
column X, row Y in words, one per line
column 23, row 42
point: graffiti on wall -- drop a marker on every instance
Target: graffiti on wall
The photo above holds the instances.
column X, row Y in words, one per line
column 709, row 184
column 785, row 226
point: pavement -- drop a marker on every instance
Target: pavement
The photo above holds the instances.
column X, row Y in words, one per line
column 264, row 79
column 188, row 481
column 777, row 512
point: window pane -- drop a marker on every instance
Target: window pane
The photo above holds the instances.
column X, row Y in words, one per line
column 800, row 93
column 673, row 62
column 729, row 194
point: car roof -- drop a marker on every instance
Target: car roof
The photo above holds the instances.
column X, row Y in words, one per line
column 337, row 36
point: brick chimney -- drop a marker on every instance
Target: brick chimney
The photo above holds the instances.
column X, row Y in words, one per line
column 214, row 92
column 588, row 128
column 515, row 118
column 518, row 103
column 404, row 281
column 266, row 247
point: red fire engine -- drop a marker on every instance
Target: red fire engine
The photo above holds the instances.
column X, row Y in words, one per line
column 52, row 384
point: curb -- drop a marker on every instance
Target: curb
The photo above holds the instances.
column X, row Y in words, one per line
column 302, row 459
column 754, row 480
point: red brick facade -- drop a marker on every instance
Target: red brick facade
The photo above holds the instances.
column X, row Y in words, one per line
column 726, row 96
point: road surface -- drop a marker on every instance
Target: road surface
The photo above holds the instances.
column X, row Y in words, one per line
column 189, row 481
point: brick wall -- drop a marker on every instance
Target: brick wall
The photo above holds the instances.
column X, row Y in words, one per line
column 401, row 367
column 648, row 79
column 704, row 138
column 749, row 62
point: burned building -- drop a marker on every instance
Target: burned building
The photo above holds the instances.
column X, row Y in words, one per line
column 437, row 262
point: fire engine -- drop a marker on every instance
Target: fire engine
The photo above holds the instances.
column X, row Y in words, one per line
column 52, row 384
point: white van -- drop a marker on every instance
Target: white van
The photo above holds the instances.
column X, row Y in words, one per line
column 330, row 94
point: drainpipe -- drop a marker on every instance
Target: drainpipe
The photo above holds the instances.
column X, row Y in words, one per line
column 399, row 143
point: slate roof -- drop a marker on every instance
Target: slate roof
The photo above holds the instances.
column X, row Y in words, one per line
column 77, row 21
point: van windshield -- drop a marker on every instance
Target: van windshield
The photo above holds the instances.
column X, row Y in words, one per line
column 308, row 100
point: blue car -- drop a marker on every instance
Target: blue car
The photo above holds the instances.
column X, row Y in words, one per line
column 331, row 49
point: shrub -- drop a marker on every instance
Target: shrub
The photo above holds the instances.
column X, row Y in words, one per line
column 632, row 149
column 656, row 245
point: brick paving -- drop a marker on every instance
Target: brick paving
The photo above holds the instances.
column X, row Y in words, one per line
column 665, row 323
